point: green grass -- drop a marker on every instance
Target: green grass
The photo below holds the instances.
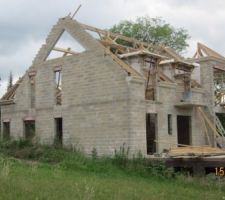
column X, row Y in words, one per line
column 54, row 173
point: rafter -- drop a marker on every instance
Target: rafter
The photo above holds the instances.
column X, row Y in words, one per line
column 115, row 36
column 204, row 51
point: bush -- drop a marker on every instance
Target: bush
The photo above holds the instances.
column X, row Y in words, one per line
column 94, row 153
column 121, row 156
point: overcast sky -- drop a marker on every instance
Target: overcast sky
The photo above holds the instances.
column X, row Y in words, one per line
column 24, row 24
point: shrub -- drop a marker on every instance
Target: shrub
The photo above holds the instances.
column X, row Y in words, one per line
column 94, row 153
column 121, row 157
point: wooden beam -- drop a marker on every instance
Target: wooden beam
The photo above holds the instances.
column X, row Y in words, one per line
column 164, row 77
column 65, row 54
column 209, row 51
column 121, row 48
column 64, row 50
column 76, row 11
column 205, row 128
column 136, row 44
column 183, row 145
column 116, row 36
column 211, row 125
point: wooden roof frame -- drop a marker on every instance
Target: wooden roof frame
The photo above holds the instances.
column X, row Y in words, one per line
column 110, row 40
column 204, row 51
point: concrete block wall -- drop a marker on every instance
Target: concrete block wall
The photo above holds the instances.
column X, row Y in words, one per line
column 198, row 135
column 169, row 96
column 137, row 116
column 95, row 98
column 16, row 113
column 45, row 126
column 207, row 83
column 197, row 96
column 94, row 103
column 16, row 120
column 95, row 108
column 102, row 126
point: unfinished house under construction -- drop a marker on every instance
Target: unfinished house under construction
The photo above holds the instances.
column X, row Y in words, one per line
column 104, row 95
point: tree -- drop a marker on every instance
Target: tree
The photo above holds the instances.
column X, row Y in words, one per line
column 154, row 30
column 10, row 81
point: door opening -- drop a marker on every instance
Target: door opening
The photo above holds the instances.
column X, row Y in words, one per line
column 183, row 129
column 151, row 124
column 58, row 131
column 6, row 130
column 29, row 129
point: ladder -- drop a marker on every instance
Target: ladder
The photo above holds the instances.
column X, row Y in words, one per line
column 219, row 126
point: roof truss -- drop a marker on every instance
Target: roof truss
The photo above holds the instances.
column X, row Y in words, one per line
column 111, row 40
column 204, row 51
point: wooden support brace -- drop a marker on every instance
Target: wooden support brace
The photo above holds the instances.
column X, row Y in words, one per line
column 205, row 128
column 209, row 122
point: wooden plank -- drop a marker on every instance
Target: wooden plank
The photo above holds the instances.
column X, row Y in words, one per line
column 209, row 122
column 164, row 77
column 195, row 151
column 184, row 145
column 121, row 48
column 64, row 50
column 65, row 54
column 142, row 52
column 205, row 128
column 76, row 11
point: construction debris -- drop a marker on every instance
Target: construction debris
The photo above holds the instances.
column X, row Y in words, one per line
column 200, row 151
